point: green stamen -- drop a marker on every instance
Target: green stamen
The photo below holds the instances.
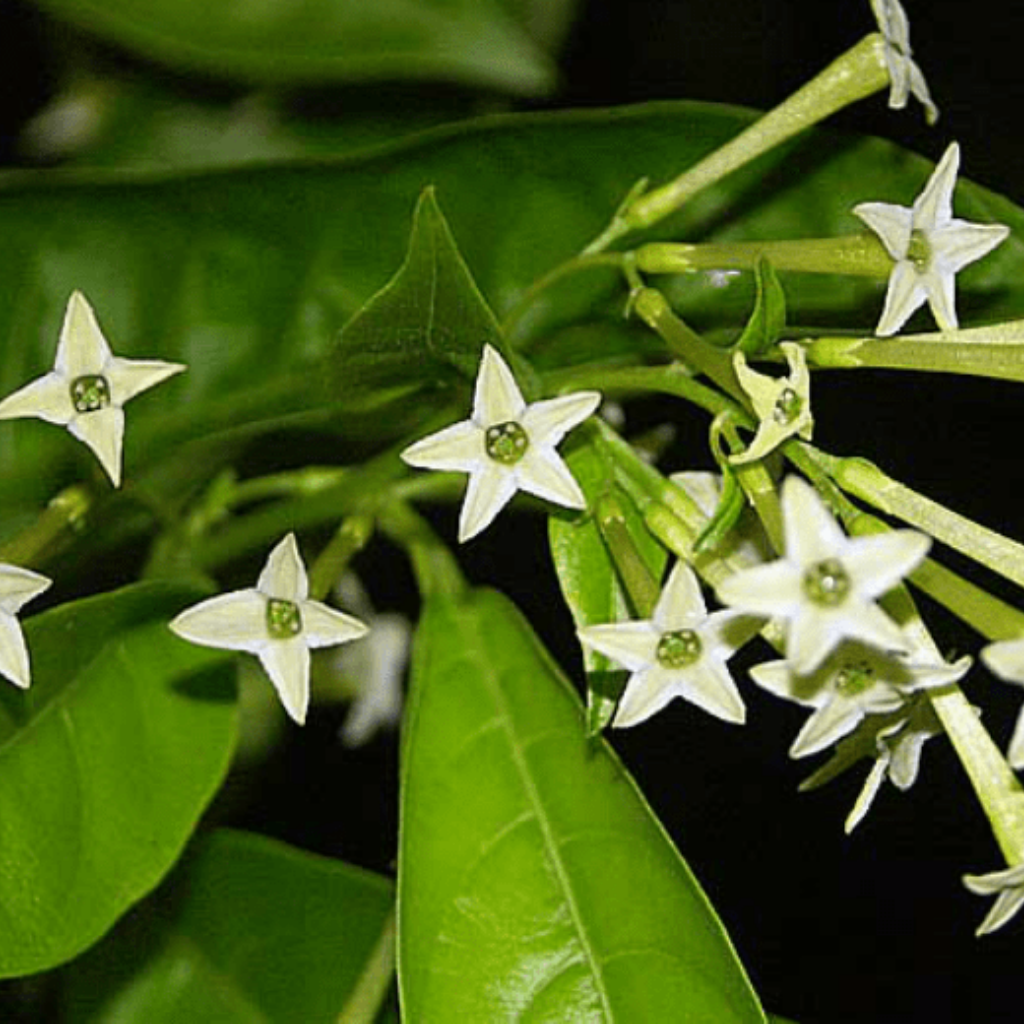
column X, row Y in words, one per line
column 788, row 406
column 283, row 619
column 506, row 442
column 826, row 583
column 919, row 251
column 90, row 393
column 854, row 678
column 678, row 649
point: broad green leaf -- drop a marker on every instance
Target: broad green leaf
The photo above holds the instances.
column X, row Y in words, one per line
column 427, row 325
column 534, row 881
column 477, row 42
column 587, row 576
column 108, row 760
column 767, row 322
column 248, row 276
column 246, row 931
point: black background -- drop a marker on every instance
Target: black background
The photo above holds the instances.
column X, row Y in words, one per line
column 874, row 927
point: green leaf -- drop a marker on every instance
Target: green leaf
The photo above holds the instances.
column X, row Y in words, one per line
column 427, row 325
column 108, row 760
column 536, row 884
column 586, row 573
column 247, row 930
column 476, row 42
column 768, row 321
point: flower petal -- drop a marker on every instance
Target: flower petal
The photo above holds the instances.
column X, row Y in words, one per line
column 934, row 206
column 710, row 686
column 833, row 720
column 549, row 421
column 904, row 296
column 103, row 431
column 284, row 575
column 646, row 693
column 46, row 398
column 491, row 486
column 18, row 586
column 233, row 622
column 877, row 563
column 633, row 645
column 287, row 664
column 770, row 590
column 459, row 447
column 13, row 653
column 681, row 601
column 811, row 532
column 891, row 223
column 497, row 398
column 323, row 626
column 129, row 377
column 82, row 349
column 542, row 472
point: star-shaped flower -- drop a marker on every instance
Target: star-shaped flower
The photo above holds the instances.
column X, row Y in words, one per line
column 825, row 586
column 1006, row 659
column 276, row 621
column 506, row 445
column 930, row 246
column 781, row 404
column 17, row 587
column 905, row 76
column 680, row 652
column 1008, row 888
column 88, row 387
column 853, row 682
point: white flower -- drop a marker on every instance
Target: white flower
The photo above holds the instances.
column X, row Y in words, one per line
column 88, row 386
column 1008, row 888
column 274, row 620
column 854, row 681
column 781, row 404
column 825, row 586
column 905, row 76
column 894, row 741
column 506, row 445
column 930, row 246
column 17, row 587
column 378, row 666
column 1006, row 659
column 680, row 652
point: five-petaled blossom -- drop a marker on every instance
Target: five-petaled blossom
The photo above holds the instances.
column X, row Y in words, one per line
column 854, row 681
column 1008, row 888
column 782, row 404
column 1006, row 659
column 905, row 76
column 826, row 584
column 276, row 621
column 88, row 387
column 680, row 651
column 930, row 247
column 17, row 587
column 506, row 445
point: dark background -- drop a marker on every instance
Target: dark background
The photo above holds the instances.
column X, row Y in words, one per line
column 874, row 927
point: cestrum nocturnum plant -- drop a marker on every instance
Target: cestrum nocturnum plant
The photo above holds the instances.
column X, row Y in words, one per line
column 88, row 386
column 826, row 584
column 854, row 681
column 506, row 445
column 276, row 621
column 17, row 587
column 929, row 246
column 904, row 75
column 680, row 651
column 782, row 404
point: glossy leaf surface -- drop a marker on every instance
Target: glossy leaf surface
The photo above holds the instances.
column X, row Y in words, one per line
column 534, row 882
column 108, row 760
column 247, row 930
column 480, row 42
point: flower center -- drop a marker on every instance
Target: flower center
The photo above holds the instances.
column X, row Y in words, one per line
column 854, row 678
column 678, row 649
column 787, row 406
column 919, row 250
column 90, row 393
column 283, row 618
column 826, row 582
column 506, row 442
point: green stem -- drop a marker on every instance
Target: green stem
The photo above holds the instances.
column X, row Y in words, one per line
column 62, row 519
column 862, row 255
column 854, row 75
column 996, row 352
column 992, row 618
column 349, row 539
column 364, row 1003
column 637, row 579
